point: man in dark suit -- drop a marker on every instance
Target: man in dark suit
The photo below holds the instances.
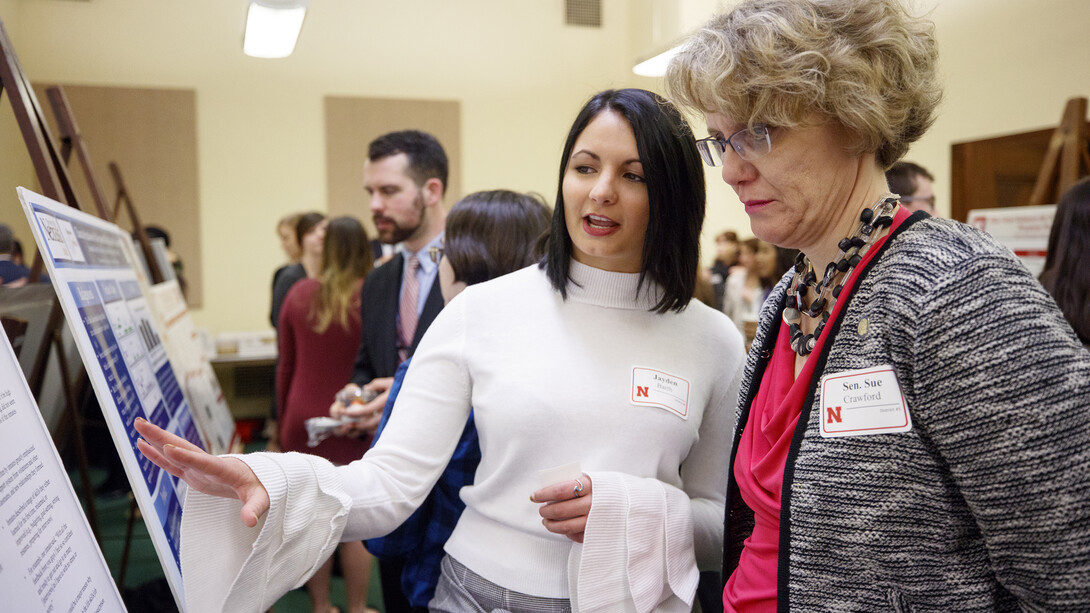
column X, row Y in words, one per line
column 406, row 177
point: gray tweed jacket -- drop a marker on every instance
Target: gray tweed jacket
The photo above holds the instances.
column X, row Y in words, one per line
column 985, row 504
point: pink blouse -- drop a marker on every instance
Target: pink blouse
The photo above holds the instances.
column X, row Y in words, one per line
column 762, row 456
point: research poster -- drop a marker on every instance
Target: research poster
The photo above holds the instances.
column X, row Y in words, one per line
column 93, row 269
column 49, row 560
column 1023, row 229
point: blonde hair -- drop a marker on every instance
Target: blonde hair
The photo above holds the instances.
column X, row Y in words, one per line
column 346, row 260
column 866, row 64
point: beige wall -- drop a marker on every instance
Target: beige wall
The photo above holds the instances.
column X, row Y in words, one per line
column 15, row 164
column 1009, row 67
column 519, row 74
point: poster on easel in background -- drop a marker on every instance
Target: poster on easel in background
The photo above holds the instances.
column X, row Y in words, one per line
column 31, row 306
column 1022, row 229
column 94, row 272
column 186, row 352
column 191, row 367
column 49, row 560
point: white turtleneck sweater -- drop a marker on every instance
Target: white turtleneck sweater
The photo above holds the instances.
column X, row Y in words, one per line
column 643, row 402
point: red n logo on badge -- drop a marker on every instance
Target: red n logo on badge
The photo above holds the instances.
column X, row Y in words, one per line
column 641, row 391
column 832, row 413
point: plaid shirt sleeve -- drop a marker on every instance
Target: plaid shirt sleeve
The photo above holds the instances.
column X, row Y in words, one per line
column 419, row 540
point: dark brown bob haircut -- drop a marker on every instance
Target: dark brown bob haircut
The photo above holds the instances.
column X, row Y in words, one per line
column 492, row 233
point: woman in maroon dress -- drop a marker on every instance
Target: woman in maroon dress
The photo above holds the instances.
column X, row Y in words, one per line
column 318, row 332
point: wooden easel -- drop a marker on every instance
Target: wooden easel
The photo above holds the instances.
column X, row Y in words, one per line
column 123, row 198
column 72, row 140
column 1067, row 158
column 56, row 184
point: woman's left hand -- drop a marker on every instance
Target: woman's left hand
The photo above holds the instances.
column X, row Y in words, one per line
column 566, row 507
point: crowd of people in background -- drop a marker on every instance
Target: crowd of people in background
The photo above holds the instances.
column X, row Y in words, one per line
column 537, row 411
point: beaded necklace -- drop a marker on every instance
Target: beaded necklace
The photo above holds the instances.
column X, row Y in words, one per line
column 852, row 250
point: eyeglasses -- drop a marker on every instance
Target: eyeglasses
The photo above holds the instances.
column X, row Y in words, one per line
column 925, row 199
column 748, row 143
column 436, row 254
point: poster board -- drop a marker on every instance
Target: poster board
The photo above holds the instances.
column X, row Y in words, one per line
column 1023, row 229
column 102, row 291
column 191, row 367
column 32, row 304
column 49, row 560
column 162, row 259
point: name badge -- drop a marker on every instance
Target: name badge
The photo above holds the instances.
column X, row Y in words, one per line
column 655, row 388
column 863, row 402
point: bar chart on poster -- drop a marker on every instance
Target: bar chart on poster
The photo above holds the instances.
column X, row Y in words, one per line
column 101, row 288
column 49, row 560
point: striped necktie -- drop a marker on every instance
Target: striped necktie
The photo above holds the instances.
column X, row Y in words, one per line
column 408, row 316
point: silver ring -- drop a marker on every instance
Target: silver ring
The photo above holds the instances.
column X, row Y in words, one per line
column 578, row 489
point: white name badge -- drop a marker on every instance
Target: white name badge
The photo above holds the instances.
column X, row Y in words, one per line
column 655, row 388
column 863, row 402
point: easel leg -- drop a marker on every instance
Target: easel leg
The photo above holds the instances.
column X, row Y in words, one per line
column 133, row 509
column 75, row 424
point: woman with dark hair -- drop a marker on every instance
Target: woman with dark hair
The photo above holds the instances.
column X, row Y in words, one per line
column 318, row 333
column 489, row 234
column 726, row 258
column 726, row 251
column 913, row 425
column 285, row 230
column 1067, row 266
column 595, row 380
column 309, row 233
column 665, row 251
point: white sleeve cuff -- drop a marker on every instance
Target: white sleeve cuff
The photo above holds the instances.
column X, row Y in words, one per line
column 229, row 567
column 637, row 552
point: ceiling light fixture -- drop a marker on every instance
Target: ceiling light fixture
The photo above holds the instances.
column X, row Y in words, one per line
column 272, row 27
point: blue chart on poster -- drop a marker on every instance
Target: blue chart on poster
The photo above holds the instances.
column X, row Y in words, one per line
column 93, row 269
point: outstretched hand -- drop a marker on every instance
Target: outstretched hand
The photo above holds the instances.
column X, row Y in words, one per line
column 209, row 474
column 566, row 507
